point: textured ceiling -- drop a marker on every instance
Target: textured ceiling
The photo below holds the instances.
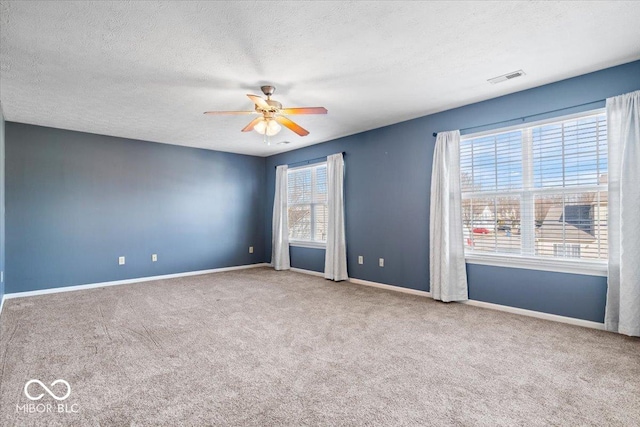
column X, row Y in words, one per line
column 148, row 70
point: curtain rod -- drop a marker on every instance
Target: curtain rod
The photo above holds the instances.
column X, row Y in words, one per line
column 306, row 162
column 523, row 118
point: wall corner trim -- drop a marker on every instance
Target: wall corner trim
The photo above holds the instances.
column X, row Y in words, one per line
column 1, row 304
column 481, row 304
column 128, row 281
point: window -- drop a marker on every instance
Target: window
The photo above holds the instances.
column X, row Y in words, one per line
column 307, row 204
column 570, row 250
column 538, row 192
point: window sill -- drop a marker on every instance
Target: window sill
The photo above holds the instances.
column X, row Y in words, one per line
column 588, row 268
column 307, row 244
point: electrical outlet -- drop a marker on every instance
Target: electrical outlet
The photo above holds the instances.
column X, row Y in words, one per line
column 381, row 262
column 360, row 259
column 154, row 257
column 121, row 260
column 250, row 249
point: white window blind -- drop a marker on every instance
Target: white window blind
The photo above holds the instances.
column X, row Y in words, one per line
column 538, row 191
column 307, row 203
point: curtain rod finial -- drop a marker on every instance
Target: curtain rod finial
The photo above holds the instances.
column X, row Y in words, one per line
column 435, row 134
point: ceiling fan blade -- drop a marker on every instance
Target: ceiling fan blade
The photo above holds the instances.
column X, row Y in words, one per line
column 304, row 110
column 213, row 113
column 292, row 125
column 253, row 123
column 259, row 101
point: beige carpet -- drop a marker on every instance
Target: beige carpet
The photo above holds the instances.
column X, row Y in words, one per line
column 259, row 348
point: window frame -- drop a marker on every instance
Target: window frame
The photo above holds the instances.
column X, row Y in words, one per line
column 562, row 265
column 314, row 244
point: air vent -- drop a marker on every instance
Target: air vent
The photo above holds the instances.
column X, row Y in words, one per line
column 505, row 77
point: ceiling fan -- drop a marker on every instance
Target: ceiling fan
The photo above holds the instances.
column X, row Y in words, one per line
column 272, row 115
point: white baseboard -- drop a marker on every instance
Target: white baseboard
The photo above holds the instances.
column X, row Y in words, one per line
column 368, row 283
column 536, row 314
column 391, row 287
column 481, row 304
column 309, row 272
column 128, row 281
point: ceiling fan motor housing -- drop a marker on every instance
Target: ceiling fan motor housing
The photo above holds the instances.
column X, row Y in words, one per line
column 274, row 107
column 275, row 104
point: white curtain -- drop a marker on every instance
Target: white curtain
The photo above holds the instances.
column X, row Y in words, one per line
column 623, row 137
column 280, row 229
column 448, row 276
column 335, row 261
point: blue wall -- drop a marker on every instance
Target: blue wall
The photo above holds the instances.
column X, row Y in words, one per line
column 387, row 186
column 2, row 210
column 78, row 201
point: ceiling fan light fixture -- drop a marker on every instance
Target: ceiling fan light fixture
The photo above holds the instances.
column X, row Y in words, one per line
column 267, row 127
column 273, row 127
column 261, row 127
